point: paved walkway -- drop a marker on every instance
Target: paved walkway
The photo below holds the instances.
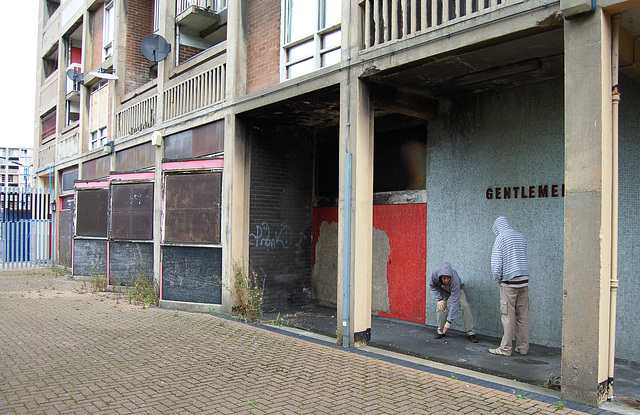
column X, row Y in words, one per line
column 64, row 350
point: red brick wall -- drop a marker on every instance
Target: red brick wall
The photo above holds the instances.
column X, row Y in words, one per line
column 96, row 34
column 263, row 44
column 188, row 52
column 139, row 25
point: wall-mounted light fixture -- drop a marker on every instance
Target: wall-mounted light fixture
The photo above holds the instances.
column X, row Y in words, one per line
column 53, row 206
column 156, row 139
column 108, row 148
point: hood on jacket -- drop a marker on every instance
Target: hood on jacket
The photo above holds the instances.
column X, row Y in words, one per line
column 500, row 225
column 445, row 269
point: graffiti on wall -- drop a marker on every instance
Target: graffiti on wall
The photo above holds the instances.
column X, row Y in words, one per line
column 263, row 237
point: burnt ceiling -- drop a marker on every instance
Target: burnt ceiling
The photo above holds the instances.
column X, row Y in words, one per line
column 529, row 57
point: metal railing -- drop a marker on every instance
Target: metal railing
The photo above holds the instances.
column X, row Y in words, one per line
column 389, row 20
column 197, row 92
column 25, row 227
column 137, row 117
column 213, row 5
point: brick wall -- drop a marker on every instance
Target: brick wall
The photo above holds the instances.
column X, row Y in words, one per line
column 263, row 44
column 139, row 25
column 187, row 52
column 281, row 222
column 96, row 34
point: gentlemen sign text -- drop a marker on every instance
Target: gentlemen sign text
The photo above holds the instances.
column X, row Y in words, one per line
column 526, row 192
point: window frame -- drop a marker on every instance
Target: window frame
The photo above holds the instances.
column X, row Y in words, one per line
column 108, row 30
column 317, row 51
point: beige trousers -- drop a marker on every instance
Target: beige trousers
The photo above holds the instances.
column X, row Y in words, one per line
column 467, row 317
column 514, row 307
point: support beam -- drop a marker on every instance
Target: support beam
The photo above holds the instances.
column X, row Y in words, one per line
column 405, row 102
column 588, row 209
column 356, row 139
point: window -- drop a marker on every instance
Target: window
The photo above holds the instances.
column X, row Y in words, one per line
column 98, row 138
column 98, row 116
column 91, row 216
column 48, row 125
column 132, row 211
column 107, row 36
column 312, row 35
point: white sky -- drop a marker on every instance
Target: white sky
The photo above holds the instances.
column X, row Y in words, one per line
column 18, row 31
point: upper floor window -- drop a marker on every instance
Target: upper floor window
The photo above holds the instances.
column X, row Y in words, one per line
column 98, row 116
column 311, row 35
column 107, row 34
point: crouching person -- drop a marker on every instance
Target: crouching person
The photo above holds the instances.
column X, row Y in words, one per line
column 446, row 285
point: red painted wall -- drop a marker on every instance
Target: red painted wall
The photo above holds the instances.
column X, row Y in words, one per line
column 406, row 228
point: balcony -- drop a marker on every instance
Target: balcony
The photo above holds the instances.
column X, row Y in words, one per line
column 386, row 21
column 196, row 85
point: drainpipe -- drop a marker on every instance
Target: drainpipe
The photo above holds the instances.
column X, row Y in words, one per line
column 346, row 278
column 615, row 99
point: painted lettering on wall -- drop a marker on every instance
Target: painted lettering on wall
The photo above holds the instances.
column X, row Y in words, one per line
column 526, row 192
column 263, row 237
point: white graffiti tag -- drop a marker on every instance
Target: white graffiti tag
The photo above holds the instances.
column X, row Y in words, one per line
column 262, row 237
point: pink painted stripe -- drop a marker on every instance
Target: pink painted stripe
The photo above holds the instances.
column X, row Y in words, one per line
column 193, row 164
column 133, row 176
column 84, row 185
column 160, row 280
column 108, row 264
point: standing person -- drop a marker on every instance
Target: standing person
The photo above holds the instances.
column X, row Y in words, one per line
column 511, row 271
column 446, row 285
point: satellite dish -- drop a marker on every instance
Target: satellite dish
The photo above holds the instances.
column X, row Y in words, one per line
column 104, row 73
column 74, row 75
column 155, row 48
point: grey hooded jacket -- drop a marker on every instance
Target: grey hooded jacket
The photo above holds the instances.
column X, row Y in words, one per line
column 454, row 286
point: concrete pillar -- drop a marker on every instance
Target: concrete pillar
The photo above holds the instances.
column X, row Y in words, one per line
column 236, row 173
column 355, row 262
column 587, row 208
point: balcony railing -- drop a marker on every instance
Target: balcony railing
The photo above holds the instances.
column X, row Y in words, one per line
column 389, row 20
column 137, row 117
column 213, row 5
column 197, row 92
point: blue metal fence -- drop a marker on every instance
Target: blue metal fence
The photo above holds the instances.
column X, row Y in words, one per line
column 25, row 227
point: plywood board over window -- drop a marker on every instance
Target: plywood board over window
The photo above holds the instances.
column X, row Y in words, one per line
column 193, row 208
column 92, row 212
column 132, row 211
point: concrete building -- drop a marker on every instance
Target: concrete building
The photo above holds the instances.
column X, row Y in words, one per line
column 16, row 168
column 345, row 149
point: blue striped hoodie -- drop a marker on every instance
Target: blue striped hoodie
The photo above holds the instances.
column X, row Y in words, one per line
column 509, row 254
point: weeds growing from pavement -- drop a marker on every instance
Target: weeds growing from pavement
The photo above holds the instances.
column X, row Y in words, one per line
column 143, row 291
column 247, row 292
column 559, row 405
column 98, row 282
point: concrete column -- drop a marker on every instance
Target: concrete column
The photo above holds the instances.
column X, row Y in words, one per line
column 356, row 139
column 587, row 208
column 237, row 169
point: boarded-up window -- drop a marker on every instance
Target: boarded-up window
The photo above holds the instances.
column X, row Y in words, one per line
column 92, row 212
column 48, row 125
column 132, row 211
column 68, row 178
column 193, row 208
column 99, row 107
column 96, row 168
column 135, row 158
column 200, row 141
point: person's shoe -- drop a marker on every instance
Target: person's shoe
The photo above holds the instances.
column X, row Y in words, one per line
column 438, row 336
column 473, row 338
column 521, row 352
column 499, row 352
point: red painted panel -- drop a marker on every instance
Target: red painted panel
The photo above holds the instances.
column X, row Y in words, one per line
column 406, row 228
column 325, row 214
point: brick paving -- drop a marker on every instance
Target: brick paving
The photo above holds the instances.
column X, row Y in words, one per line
column 64, row 350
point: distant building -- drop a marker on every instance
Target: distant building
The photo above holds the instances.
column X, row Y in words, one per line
column 16, row 167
